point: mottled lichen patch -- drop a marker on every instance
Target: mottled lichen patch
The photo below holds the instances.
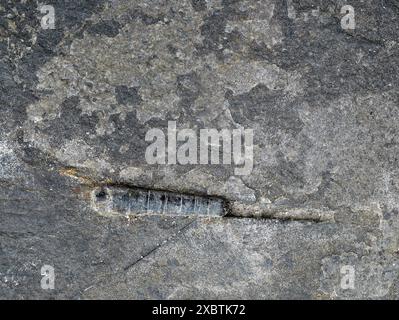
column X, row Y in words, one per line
column 160, row 73
column 180, row 61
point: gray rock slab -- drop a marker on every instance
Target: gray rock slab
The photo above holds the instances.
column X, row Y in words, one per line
column 320, row 205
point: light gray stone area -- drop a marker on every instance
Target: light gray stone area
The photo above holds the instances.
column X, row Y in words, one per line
column 77, row 101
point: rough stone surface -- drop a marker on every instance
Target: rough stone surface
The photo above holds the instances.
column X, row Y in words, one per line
column 76, row 102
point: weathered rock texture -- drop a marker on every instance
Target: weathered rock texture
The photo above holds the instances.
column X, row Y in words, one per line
column 77, row 101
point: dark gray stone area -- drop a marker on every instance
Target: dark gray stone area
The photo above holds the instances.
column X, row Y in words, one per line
column 77, row 101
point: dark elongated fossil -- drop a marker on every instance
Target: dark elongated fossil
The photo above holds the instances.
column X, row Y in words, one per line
column 115, row 200
column 128, row 201
column 110, row 199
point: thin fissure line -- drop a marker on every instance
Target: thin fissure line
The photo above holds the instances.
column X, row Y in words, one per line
column 160, row 245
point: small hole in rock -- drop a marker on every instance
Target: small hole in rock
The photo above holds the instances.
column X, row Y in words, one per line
column 102, row 195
